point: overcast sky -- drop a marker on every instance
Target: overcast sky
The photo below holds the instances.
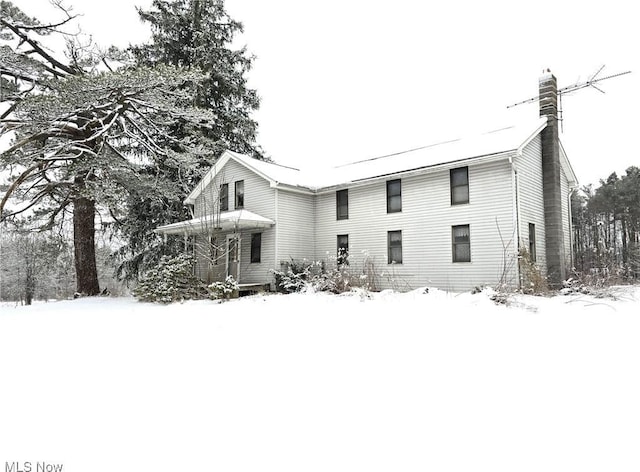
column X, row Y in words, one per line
column 345, row 80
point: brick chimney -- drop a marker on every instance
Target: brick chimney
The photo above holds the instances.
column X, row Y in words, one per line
column 554, row 237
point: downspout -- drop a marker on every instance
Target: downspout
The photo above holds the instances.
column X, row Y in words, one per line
column 571, row 233
column 275, row 262
column 515, row 181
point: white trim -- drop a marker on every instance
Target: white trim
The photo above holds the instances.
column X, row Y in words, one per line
column 230, row 237
column 276, row 232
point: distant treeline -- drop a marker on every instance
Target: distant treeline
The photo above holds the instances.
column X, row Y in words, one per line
column 606, row 223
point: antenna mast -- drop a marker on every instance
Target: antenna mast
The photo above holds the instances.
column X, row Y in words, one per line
column 591, row 82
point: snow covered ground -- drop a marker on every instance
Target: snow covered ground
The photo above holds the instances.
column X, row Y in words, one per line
column 313, row 382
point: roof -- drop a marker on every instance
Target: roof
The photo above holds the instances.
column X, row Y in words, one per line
column 495, row 144
column 225, row 221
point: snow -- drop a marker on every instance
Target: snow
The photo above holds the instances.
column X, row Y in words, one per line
column 317, row 382
column 317, row 177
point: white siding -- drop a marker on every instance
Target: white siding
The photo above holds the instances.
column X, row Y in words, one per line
column 259, row 198
column 425, row 221
column 531, row 200
column 296, row 227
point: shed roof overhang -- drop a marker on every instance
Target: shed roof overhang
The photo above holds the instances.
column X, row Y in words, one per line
column 236, row 220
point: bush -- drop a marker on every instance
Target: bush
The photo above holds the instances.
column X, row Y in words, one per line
column 304, row 275
column 535, row 282
column 173, row 280
column 223, row 290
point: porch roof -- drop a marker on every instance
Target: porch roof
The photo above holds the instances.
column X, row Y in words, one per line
column 225, row 221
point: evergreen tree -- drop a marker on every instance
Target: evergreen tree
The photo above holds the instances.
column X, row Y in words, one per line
column 87, row 139
column 190, row 34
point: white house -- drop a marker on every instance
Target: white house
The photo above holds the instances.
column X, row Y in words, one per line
column 453, row 215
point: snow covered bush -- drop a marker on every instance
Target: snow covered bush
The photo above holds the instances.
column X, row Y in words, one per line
column 535, row 283
column 173, row 280
column 223, row 290
column 295, row 276
column 317, row 276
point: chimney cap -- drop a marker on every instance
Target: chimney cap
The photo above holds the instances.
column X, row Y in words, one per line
column 546, row 75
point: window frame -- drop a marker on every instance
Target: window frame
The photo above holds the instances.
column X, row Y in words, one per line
column 453, row 186
column 455, row 244
column 224, row 197
column 342, row 203
column 532, row 242
column 342, row 258
column 238, row 194
column 390, row 247
column 392, row 196
column 256, row 248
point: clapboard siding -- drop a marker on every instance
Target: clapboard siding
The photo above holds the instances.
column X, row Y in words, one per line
column 529, row 168
column 259, row 198
column 425, row 221
column 258, row 195
column 296, row 227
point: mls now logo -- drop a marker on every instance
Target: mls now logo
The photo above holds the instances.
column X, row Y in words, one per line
column 31, row 467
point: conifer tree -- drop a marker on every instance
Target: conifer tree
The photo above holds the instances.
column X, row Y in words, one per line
column 190, row 34
column 86, row 137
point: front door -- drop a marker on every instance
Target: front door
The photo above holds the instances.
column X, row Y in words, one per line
column 233, row 256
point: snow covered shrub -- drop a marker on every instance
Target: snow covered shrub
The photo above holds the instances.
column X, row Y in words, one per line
column 322, row 276
column 223, row 290
column 173, row 280
column 534, row 281
column 295, row 276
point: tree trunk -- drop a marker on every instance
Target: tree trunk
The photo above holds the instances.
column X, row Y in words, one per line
column 84, row 211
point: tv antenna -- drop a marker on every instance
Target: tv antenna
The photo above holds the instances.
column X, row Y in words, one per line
column 591, row 82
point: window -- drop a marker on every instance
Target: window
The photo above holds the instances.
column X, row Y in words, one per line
column 394, row 196
column 256, row 247
column 343, row 249
column 239, row 194
column 224, row 197
column 394, row 246
column 461, row 243
column 342, row 204
column 532, row 242
column 459, row 185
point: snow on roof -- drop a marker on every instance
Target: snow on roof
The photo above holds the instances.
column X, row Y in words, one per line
column 483, row 146
column 475, row 146
column 228, row 220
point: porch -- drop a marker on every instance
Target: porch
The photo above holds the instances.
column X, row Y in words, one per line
column 228, row 244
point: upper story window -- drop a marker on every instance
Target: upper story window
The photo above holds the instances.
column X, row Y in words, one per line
column 461, row 243
column 459, row 185
column 239, row 194
column 224, row 197
column 343, row 249
column 394, row 247
column 342, row 204
column 394, row 196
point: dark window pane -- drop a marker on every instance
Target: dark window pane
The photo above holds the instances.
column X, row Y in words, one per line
column 459, row 185
column 343, row 249
column 342, row 204
column 532, row 242
column 461, row 243
column 394, row 196
column 394, row 243
column 239, row 190
column 256, row 247
column 224, row 197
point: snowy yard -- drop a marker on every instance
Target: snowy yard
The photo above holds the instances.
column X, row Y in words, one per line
column 314, row 382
